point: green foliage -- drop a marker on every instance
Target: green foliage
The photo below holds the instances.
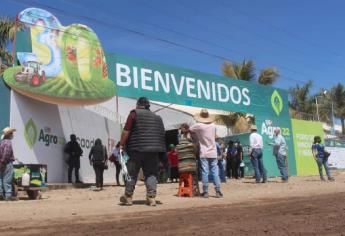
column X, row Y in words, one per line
column 246, row 71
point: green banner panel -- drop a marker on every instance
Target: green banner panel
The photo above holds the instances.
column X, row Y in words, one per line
column 5, row 95
column 303, row 135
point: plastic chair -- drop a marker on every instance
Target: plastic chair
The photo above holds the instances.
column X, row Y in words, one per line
column 185, row 185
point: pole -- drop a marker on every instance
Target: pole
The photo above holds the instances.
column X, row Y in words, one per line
column 333, row 118
column 14, row 41
column 317, row 109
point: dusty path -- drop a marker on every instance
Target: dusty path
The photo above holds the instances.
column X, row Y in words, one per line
column 305, row 205
column 320, row 215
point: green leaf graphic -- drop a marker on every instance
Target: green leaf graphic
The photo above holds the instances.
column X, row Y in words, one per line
column 277, row 102
column 30, row 133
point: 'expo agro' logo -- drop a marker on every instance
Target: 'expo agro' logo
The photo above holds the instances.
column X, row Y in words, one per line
column 267, row 128
column 45, row 136
column 276, row 102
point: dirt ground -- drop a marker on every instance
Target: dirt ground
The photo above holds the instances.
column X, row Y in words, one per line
column 304, row 206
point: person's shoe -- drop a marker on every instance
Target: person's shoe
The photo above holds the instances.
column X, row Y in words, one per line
column 322, row 179
column 204, row 195
column 285, row 181
column 78, row 182
column 331, row 179
column 125, row 200
column 12, row 199
column 219, row 194
column 151, row 201
column 264, row 181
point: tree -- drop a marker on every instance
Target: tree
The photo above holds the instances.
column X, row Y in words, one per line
column 7, row 33
column 301, row 103
column 337, row 96
column 246, row 71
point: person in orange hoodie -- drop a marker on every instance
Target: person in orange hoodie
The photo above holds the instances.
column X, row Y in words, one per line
column 173, row 162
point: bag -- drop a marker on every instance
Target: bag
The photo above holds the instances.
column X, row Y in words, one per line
column 105, row 166
column 112, row 158
column 326, row 154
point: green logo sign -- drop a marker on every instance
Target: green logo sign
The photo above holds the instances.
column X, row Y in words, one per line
column 30, row 133
column 277, row 102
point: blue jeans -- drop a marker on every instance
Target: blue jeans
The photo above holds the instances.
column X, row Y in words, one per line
column 282, row 166
column 221, row 172
column 258, row 165
column 209, row 165
column 323, row 162
column 6, row 178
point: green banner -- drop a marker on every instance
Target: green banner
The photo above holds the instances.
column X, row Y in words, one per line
column 160, row 82
column 303, row 135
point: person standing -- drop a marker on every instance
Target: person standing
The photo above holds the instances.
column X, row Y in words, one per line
column 74, row 152
column 256, row 155
column 280, row 152
column 116, row 154
column 98, row 159
column 205, row 130
column 321, row 158
column 220, row 158
column 144, row 137
column 230, row 155
column 173, row 163
column 6, row 164
column 239, row 159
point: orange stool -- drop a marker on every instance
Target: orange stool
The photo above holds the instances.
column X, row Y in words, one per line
column 185, row 185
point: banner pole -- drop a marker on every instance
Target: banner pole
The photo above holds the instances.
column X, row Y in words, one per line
column 14, row 40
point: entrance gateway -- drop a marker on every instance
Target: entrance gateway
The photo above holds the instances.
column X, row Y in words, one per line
column 159, row 82
column 80, row 80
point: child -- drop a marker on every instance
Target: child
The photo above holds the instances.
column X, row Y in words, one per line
column 173, row 161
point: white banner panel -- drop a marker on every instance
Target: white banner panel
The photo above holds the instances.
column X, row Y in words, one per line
column 44, row 128
column 337, row 157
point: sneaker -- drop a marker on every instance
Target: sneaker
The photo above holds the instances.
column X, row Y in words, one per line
column 12, row 199
column 219, row 194
column 150, row 201
column 125, row 200
column 331, row 179
column 322, row 179
column 204, row 195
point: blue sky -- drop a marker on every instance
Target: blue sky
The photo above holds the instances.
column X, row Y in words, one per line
column 304, row 40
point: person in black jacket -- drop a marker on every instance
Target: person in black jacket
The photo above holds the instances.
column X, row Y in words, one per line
column 98, row 159
column 74, row 152
column 144, row 137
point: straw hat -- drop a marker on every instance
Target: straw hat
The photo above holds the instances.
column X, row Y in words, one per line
column 7, row 131
column 204, row 116
column 253, row 127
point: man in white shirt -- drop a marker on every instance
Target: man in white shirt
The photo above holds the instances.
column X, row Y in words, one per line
column 205, row 131
column 280, row 152
column 256, row 146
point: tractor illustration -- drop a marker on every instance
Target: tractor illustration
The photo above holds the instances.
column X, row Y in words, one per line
column 31, row 73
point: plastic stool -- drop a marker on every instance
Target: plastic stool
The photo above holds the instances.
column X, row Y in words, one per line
column 185, row 185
